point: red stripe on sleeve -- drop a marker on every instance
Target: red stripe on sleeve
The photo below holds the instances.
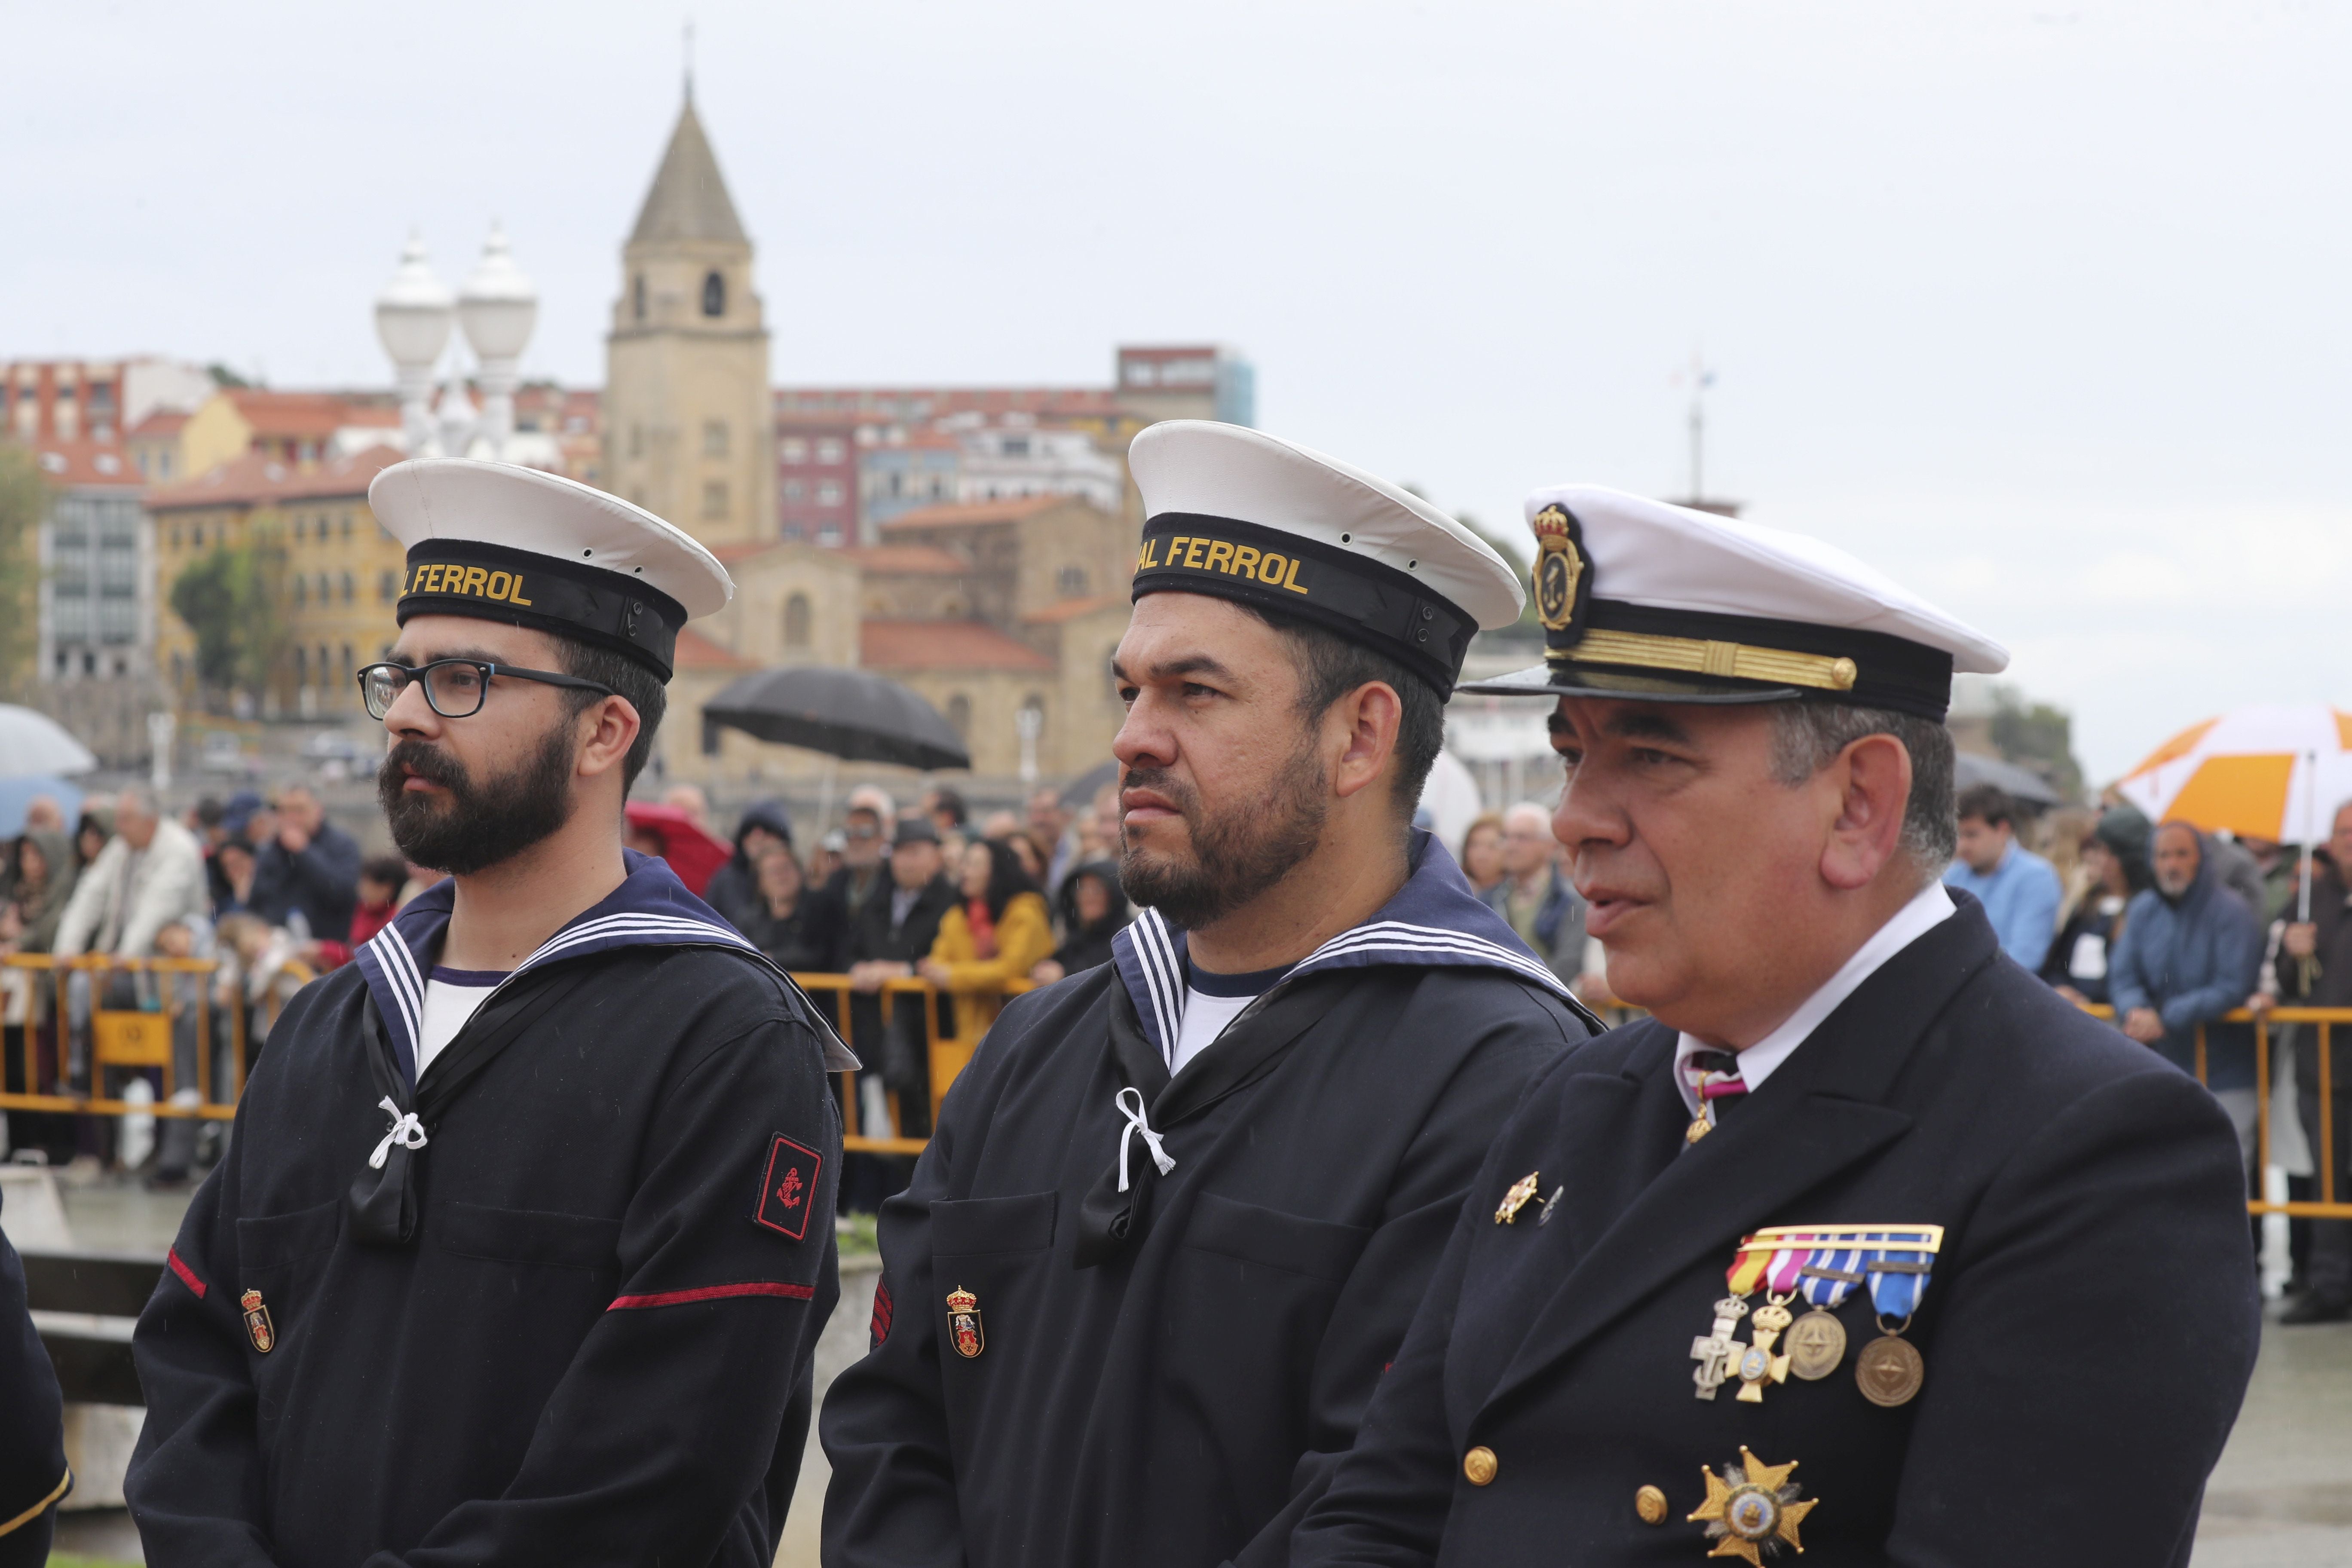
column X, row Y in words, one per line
column 187, row 1275
column 713, row 1293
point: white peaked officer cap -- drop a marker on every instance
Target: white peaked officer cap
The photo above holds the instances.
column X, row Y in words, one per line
column 1643, row 600
column 498, row 542
column 1237, row 514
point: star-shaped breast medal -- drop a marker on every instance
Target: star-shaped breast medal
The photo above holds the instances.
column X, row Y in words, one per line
column 1751, row 1508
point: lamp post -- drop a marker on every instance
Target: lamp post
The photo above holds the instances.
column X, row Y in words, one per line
column 497, row 309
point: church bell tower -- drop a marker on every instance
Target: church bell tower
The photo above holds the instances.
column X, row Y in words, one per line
column 689, row 418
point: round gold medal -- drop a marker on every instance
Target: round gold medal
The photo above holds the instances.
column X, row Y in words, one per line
column 1889, row 1371
column 1816, row 1345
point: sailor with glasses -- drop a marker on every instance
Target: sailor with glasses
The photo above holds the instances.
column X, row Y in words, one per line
column 524, row 1241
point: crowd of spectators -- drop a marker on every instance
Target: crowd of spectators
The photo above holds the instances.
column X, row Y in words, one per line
column 2171, row 928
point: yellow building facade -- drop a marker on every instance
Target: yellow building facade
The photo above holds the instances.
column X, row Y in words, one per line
column 332, row 569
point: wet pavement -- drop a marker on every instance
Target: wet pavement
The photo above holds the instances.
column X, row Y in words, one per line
column 2281, row 1496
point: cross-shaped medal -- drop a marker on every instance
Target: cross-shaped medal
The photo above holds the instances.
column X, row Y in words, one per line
column 1757, row 1365
column 1717, row 1353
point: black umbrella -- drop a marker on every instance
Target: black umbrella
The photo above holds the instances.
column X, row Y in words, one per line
column 853, row 714
column 1079, row 794
column 2023, row 785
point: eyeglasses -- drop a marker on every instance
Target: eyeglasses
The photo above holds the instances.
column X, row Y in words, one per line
column 455, row 688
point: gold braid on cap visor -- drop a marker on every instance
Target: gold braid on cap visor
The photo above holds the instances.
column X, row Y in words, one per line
column 1693, row 656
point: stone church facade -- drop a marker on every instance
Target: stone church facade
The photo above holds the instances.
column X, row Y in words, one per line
column 985, row 608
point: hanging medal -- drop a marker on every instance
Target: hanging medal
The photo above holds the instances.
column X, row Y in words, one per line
column 1817, row 1342
column 1890, row 1369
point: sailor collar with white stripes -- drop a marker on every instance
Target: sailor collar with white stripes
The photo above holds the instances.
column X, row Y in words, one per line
column 1435, row 921
column 651, row 908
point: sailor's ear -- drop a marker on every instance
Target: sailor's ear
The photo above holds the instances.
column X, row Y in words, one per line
column 1364, row 724
column 605, row 731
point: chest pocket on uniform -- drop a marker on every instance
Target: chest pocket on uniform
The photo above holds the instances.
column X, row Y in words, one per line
column 526, row 1235
column 1272, row 1239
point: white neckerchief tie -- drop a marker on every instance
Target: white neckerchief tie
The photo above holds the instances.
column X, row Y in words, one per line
column 406, row 1132
column 1135, row 1124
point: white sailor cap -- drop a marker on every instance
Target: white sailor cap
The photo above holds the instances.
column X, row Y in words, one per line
column 1640, row 599
column 499, row 542
column 1238, row 514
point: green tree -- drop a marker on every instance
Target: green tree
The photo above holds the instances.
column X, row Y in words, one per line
column 2037, row 736
column 24, row 503
column 229, row 599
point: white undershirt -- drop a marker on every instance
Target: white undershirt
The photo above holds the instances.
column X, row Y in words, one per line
column 451, row 998
column 1206, row 1013
column 1929, row 908
column 1206, row 1017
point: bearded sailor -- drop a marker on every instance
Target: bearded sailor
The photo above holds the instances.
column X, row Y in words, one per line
column 1179, row 1207
column 522, row 1245
column 1866, row 1243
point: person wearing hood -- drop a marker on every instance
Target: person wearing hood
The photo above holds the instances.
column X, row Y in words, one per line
column 40, row 870
column 1179, row 1207
column 521, row 1250
column 734, row 889
column 1094, row 909
column 41, row 874
column 2114, row 857
column 2190, row 952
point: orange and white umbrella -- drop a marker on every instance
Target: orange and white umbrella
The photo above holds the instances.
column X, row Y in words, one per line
column 2268, row 771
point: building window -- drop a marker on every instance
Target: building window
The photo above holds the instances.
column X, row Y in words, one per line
column 636, row 440
column 638, row 295
column 196, row 537
column 346, row 529
column 793, row 490
column 298, row 528
column 387, row 587
column 714, row 499
column 326, row 593
column 301, row 665
column 1072, row 582
column 830, row 449
column 792, row 449
column 714, row 437
column 828, row 493
column 714, row 294
column 796, row 621
column 301, row 590
column 959, row 716
column 351, row 587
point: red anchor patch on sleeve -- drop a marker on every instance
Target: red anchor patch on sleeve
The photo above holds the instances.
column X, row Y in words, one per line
column 788, row 1187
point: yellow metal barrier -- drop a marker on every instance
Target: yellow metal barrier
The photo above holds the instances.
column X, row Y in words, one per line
column 2330, row 1205
column 125, row 1037
column 948, row 1057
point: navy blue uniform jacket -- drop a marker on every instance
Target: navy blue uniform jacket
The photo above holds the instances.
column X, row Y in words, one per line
column 2087, row 1331
column 595, row 1345
column 1168, row 1376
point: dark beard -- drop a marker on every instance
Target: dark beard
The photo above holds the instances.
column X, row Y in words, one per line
column 476, row 826
column 1237, row 853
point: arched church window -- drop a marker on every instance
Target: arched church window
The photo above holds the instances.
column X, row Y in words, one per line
column 637, row 291
column 714, row 294
column 796, row 621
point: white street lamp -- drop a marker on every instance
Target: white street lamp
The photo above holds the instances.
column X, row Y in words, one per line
column 497, row 309
column 413, row 315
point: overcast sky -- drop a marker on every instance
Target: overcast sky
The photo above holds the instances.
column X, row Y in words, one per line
column 2041, row 307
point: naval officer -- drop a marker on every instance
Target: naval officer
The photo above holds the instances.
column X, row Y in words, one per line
column 1179, row 1207
column 1864, row 1244
column 521, row 1249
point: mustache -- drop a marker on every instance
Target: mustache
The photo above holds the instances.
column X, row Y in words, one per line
column 426, row 762
column 1164, row 782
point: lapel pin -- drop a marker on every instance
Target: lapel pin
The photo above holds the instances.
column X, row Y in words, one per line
column 1517, row 1198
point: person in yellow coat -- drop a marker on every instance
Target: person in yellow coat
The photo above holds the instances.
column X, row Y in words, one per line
column 998, row 932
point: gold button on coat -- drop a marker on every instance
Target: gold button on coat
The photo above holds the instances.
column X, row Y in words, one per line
column 1651, row 1504
column 1479, row 1465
